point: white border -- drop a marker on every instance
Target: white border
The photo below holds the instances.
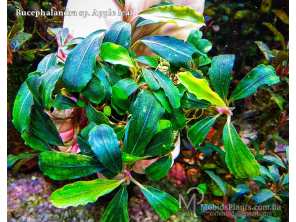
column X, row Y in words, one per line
column 3, row 110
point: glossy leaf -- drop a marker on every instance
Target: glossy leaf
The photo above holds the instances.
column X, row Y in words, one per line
column 82, row 192
column 202, row 45
column 151, row 61
column 116, row 54
column 163, row 100
column 239, row 159
column 170, row 90
column 104, row 144
column 161, row 143
column 117, row 209
column 22, row 108
column 181, row 15
column 176, row 51
column 63, row 102
column 149, row 78
column 81, row 61
column 200, row 88
column 47, row 62
column 130, row 159
column 120, row 94
column 220, row 183
column 66, row 166
column 43, row 127
column 159, row 169
column 163, row 203
column 199, row 131
column 220, row 73
column 263, row 195
column 257, row 77
column 48, row 82
column 34, row 142
column 189, row 101
column 95, row 116
column 33, row 82
column 142, row 126
column 104, row 76
column 274, row 159
column 268, row 54
column 94, row 91
column 119, row 33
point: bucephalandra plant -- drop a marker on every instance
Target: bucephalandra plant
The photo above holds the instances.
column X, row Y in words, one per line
column 128, row 110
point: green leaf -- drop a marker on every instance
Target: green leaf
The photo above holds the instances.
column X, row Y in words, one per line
column 63, row 102
column 161, row 143
column 117, row 209
column 202, row 45
column 162, row 99
column 163, row 203
column 94, row 91
column 220, row 74
column 130, row 159
column 104, row 76
column 176, row 51
column 257, row 77
column 19, row 40
column 116, row 54
column 48, row 82
column 120, row 95
column 200, row 88
column 34, row 142
column 239, row 159
column 67, row 166
column 142, row 126
column 12, row 159
column 22, row 108
column 119, row 33
column 47, row 62
column 268, row 54
column 157, row 79
column 170, row 90
column 194, row 36
column 189, row 101
column 274, row 159
column 151, row 61
column 33, row 82
column 149, row 78
column 263, row 195
column 43, row 127
column 181, row 15
column 199, row 131
column 81, row 61
column 104, row 144
column 96, row 116
column 159, row 169
column 178, row 119
column 220, row 183
column 82, row 192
